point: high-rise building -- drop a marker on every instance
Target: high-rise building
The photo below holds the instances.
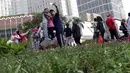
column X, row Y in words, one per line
column 22, row 6
column 13, row 7
column 7, row 7
column 66, row 7
column 102, row 7
column 72, row 8
column 40, row 5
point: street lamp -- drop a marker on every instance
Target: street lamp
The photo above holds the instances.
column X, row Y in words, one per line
column 10, row 18
column 16, row 22
column 21, row 19
column 5, row 26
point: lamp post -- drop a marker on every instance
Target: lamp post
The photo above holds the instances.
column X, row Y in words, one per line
column 16, row 22
column 21, row 19
column 10, row 24
column 0, row 33
column 5, row 26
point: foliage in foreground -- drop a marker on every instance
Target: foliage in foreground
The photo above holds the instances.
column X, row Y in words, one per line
column 12, row 48
column 108, row 58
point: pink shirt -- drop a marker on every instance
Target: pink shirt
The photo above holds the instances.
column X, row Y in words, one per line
column 50, row 22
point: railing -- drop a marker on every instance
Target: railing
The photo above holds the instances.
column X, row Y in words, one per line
column 12, row 23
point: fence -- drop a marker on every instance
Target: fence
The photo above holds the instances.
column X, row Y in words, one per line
column 10, row 24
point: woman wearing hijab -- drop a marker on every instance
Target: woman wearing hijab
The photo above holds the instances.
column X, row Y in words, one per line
column 100, row 26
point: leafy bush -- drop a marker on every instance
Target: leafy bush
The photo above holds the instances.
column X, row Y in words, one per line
column 17, row 47
column 11, row 48
column 106, row 58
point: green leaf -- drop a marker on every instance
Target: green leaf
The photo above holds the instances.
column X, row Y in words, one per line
column 18, row 69
column 15, row 46
column 23, row 44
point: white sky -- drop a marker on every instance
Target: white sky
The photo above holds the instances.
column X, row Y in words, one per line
column 126, row 6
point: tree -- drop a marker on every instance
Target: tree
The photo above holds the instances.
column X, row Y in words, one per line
column 65, row 20
column 37, row 19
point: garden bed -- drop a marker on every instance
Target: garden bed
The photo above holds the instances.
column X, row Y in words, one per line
column 108, row 58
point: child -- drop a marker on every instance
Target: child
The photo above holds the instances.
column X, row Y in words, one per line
column 68, row 33
column 35, row 39
column 50, row 26
column 41, row 32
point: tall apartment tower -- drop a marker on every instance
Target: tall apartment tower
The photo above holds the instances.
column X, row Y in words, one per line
column 102, row 7
column 7, row 7
column 72, row 8
column 22, row 6
column 66, row 7
column 13, row 7
column 40, row 5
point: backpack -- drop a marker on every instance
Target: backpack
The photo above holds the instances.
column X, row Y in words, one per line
column 121, row 28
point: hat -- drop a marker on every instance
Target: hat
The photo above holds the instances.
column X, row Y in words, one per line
column 35, row 29
column 109, row 15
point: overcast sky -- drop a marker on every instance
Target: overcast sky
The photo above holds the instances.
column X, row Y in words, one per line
column 126, row 6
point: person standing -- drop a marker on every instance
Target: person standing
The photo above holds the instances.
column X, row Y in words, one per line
column 112, row 27
column 58, row 25
column 45, row 23
column 76, row 32
column 50, row 26
column 94, row 26
column 100, row 26
column 123, row 28
column 68, row 34
column 36, row 39
column 40, row 33
column 128, row 23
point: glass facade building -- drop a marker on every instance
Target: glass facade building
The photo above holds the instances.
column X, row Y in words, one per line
column 102, row 7
column 7, row 7
column 13, row 7
column 66, row 7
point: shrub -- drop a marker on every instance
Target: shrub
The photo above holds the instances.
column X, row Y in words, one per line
column 11, row 48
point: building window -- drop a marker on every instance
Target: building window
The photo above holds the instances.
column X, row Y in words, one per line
column 86, row 6
column 89, row 5
column 106, row 8
column 101, row 8
column 98, row 10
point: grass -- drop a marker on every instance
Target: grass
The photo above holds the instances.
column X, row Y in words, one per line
column 106, row 58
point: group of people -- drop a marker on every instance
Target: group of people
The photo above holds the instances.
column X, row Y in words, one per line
column 101, row 26
column 51, row 22
column 18, row 37
column 52, row 28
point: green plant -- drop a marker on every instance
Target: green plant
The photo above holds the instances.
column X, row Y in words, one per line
column 17, row 47
column 12, row 47
column 98, row 58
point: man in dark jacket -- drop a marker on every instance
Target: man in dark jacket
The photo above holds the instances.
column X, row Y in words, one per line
column 76, row 32
column 58, row 25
